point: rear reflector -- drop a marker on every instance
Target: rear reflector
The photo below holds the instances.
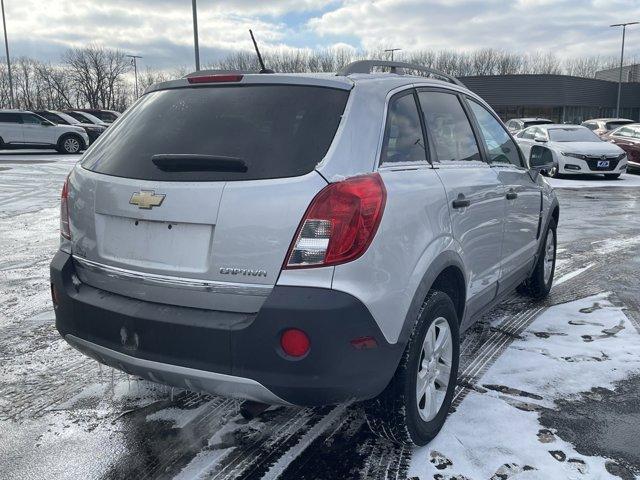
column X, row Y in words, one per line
column 339, row 224
column 215, row 78
column 364, row 343
column 65, row 229
column 295, row 342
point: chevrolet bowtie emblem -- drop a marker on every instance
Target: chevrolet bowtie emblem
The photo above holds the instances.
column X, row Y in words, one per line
column 146, row 199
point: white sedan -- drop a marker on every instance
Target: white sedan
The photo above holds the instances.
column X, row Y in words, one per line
column 574, row 149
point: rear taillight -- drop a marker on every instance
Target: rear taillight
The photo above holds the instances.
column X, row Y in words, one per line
column 339, row 224
column 65, row 231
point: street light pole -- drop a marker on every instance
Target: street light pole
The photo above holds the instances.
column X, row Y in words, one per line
column 392, row 50
column 624, row 28
column 134, row 59
column 194, row 7
column 6, row 47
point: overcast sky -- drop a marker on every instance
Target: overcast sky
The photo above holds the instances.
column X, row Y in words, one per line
column 161, row 30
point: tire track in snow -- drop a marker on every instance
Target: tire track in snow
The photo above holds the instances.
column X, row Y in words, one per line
column 348, row 450
column 580, row 283
column 259, row 443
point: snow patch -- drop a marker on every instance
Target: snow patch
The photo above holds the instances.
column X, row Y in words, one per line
column 569, row 349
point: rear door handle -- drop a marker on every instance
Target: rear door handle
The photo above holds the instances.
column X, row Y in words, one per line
column 511, row 195
column 460, row 202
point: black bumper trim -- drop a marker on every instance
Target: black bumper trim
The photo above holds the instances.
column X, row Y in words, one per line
column 240, row 345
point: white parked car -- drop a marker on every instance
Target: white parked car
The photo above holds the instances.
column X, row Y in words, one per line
column 574, row 149
column 23, row 129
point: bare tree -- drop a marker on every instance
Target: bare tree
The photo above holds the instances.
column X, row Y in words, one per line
column 98, row 76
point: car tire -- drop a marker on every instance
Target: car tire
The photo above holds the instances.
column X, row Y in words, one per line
column 538, row 285
column 70, row 144
column 611, row 176
column 402, row 414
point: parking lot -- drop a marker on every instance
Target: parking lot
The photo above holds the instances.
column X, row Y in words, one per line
column 546, row 389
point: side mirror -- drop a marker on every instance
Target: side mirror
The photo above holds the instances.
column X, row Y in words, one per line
column 540, row 159
column 46, row 123
column 539, row 138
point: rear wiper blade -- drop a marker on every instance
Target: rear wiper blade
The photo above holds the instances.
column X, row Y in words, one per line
column 194, row 162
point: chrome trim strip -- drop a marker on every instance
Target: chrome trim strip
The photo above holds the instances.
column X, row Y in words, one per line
column 182, row 377
column 176, row 282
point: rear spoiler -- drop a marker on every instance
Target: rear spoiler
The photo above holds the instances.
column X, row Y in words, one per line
column 324, row 80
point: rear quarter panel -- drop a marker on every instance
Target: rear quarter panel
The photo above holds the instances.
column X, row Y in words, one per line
column 415, row 229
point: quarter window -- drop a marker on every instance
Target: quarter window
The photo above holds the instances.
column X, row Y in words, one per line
column 500, row 147
column 624, row 132
column 528, row 133
column 403, row 140
column 10, row 118
column 449, row 127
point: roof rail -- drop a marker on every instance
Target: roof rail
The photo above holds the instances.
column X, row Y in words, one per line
column 365, row 66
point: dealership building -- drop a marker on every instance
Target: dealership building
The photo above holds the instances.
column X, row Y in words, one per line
column 561, row 98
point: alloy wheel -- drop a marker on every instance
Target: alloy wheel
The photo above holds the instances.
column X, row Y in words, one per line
column 71, row 145
column 549, row 256
column 434, row 369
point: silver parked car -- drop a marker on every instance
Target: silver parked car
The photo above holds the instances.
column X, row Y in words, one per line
column 573, row 149
column 301, row 239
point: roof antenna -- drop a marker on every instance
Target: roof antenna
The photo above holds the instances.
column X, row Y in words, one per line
column 263, row 69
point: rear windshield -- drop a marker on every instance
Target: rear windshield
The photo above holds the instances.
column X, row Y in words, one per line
column 274, row 131
column 619, row 123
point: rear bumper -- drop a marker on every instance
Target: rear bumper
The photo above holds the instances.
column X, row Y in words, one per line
column 190, row 378
column 230, row 354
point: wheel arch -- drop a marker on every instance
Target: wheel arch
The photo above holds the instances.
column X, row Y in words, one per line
column 445, row 273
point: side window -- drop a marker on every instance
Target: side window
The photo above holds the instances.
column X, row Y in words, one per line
column 624, row 132
column 449, row 127
column 590, row 126
column 500, row 147
column 9, row 118
column 50, row 116
column 29, row 119
column 528, row 133
column 403, row 140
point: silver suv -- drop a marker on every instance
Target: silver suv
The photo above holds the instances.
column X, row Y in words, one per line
column 301, row 239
